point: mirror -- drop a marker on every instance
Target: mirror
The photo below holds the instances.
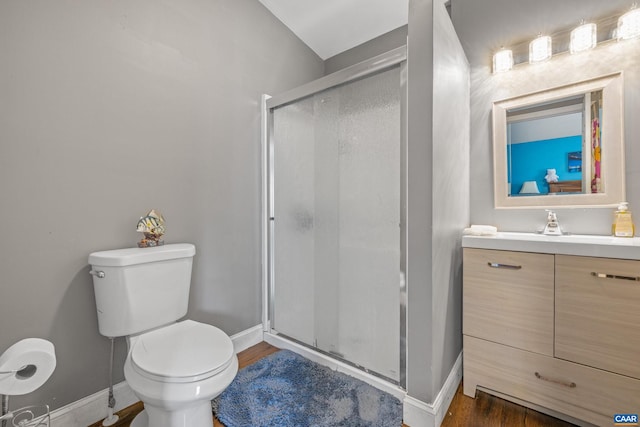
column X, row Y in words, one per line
column 560, row 147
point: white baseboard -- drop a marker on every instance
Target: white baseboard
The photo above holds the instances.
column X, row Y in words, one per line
column 416, row 413
column 247, row 338
column 336, row 365
column 90, row 409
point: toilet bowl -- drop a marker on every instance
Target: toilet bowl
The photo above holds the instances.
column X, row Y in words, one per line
column 176, row 367
column 177, row 370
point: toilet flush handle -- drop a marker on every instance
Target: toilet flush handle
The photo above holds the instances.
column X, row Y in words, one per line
column 99, row 274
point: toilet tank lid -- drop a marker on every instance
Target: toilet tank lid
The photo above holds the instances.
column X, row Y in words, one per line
column 132, row 256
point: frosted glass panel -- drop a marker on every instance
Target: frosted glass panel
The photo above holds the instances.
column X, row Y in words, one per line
column 337, row 221
column 294, row 243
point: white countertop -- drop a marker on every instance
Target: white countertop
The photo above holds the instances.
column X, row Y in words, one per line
column 572, row 244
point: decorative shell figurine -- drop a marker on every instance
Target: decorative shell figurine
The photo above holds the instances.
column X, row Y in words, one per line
column 152, row 225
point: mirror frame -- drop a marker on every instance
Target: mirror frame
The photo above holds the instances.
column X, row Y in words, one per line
column 613, row 165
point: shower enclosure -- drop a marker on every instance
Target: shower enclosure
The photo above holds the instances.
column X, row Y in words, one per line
column 334, row 215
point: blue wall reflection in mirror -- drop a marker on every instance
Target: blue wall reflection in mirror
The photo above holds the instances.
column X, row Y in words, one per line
column 535, row 157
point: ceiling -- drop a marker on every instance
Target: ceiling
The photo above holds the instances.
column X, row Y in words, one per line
column 330, row 27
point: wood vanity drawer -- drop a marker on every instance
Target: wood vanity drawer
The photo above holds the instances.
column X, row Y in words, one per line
column 579, row 391
column 598, row 313
column 508, row 298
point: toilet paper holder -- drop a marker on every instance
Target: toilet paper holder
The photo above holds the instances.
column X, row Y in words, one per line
column 24, row 367
column 24, row 372
column 32, row 416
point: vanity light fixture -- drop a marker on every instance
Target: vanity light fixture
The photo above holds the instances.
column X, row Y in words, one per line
column 579, row 39
column 583, row 38
column 629, row 24
column 540, row 49
column 502, row 60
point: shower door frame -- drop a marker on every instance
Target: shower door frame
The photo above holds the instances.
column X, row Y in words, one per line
column 394, row 58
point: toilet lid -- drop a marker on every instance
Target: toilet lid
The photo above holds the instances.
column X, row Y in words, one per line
column 182, row 352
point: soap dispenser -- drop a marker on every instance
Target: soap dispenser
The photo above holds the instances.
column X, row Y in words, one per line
column 623, row 221
column 553, row 227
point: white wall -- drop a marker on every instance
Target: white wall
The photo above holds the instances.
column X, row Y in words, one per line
column 545, row 128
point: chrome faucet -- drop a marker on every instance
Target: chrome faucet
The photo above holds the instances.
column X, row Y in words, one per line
column 553, row 227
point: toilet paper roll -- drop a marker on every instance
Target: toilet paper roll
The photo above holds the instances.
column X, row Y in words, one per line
column 26, row 365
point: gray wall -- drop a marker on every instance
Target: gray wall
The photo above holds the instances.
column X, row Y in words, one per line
column 438, row 201
column 450, row 192
column 419, row 200
column 109, row 109
column 484, row 27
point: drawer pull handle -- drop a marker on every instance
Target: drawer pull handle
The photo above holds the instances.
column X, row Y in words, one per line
column 540, row 377
column 614, row 276
column 507, row 266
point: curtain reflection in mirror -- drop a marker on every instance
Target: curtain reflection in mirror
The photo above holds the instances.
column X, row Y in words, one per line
column 596, row 142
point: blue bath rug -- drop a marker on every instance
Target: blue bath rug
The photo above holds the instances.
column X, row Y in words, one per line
column 287, row 390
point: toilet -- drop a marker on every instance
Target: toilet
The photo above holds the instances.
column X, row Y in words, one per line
column 176, row 367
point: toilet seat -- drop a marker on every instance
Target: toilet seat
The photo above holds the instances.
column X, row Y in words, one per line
column 183, row 352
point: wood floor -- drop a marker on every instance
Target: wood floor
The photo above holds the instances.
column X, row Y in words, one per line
column 490, row 411
column 483, row 411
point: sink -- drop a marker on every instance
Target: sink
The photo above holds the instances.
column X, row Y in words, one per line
column 567, row 244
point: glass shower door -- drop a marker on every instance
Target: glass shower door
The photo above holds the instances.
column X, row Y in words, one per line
column 336, row 227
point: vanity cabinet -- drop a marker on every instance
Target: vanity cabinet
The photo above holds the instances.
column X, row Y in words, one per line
column 508, row 298
column 559, row 333
column 598, row 313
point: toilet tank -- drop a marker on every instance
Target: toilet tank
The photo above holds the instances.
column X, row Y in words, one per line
column 138, row 289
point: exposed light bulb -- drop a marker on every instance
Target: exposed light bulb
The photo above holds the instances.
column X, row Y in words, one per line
column 540, row 49
column 502, row 61
column 629, row 25
column 583, row 38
